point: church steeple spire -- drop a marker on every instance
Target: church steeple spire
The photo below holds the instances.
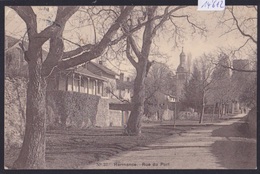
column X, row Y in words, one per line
column 182, row 53
column 182, row 59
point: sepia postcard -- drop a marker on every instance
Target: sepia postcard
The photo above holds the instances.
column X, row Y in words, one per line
column 130, row 87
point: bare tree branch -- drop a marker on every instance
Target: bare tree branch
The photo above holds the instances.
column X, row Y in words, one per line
column 238, row 49
column 29, row 17
column 117, row 97
column 148, row 35
column 134, row 46
column 187, row 18
column 129, row 56
column 166, row 16
column 134, row 29
column 77, row 51
column 235, row 69
column 94, row 28
column 99, row 48
column 63, row 14
column 54, row 55
column 239, row 28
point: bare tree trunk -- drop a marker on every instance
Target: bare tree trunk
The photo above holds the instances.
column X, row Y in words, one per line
column 203, row 107
column 222, row 109
column 213, row 113
column 32, row 154
column 134, row 121
column 218, row 110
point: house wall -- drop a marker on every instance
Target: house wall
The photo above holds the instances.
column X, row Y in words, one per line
column 111, row 85
column 115, row 118
column 167, row 114
column 69, row 84
column 89, row 111
column 125, row 94
column 102, row 117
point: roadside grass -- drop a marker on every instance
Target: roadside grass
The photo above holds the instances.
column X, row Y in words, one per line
column 227, row 150
column 71, row 149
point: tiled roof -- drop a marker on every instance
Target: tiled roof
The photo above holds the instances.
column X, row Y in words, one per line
column 103, row 68
column 11, row 41
column 14, row 42
column 84, row 71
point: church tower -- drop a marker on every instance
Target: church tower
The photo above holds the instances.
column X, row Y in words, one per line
column 182, row 75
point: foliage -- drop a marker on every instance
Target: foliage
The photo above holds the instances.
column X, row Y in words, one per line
column 221, row 87
column 14, row 111
column 192, row 91
column 252, row 121
column 73, row 108
column 248, row 94
column 159, row 83
column 197, row 90
column 15, row 66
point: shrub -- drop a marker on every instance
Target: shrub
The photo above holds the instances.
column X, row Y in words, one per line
column 72, row 109
column 15, row 106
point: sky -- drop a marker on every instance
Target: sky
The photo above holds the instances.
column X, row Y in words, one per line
column 194, row 44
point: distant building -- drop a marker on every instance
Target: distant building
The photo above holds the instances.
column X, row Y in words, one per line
column 124, row 87
column 15, row 63
column 182, row 75
column 241, row 64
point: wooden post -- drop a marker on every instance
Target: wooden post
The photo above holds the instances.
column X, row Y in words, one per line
column 214, row 107
column 102, row 88
column 67, row 83
column 95, row 87
column 175, row 113
column 88, row 85
column 122, row 118
column 73, row 82
column 79, row 82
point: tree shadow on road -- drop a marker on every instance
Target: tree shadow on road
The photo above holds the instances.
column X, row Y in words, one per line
column 234, row 154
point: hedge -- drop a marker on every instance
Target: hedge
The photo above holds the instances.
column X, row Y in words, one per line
column 71, row 109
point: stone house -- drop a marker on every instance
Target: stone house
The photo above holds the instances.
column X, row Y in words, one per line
column 90, row 78
column 124, row 87
column 96, row 79
column 15, row 64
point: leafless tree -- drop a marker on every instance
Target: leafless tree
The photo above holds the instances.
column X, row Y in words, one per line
column 159, row 83
column 221, row 87
column 206, row 68
column 153, row 19
column 240, row 21
column 32, row 154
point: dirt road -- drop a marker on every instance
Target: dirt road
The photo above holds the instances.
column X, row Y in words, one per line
column 224, row 145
